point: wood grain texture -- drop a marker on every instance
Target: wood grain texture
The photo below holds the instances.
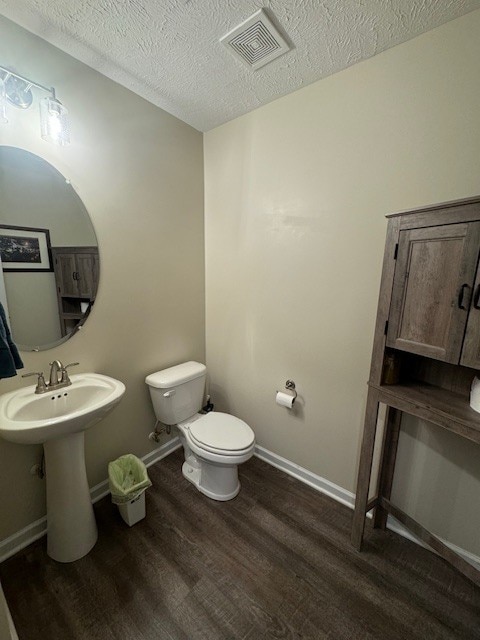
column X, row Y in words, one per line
column 439, row 406
column 273, row 563
column 471, row 345
column 365, row 467
column 462, row 210
column 433, row 263
column 387, row 464
column 384, row 298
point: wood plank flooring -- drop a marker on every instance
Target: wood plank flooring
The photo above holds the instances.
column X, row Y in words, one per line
column 275, row 562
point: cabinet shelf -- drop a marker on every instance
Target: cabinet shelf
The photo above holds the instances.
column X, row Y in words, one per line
column 442, row 407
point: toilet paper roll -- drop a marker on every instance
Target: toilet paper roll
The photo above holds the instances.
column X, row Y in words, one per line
column 284, row 399
column 475, row 395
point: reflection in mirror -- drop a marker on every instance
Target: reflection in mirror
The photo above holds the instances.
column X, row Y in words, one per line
column 48, row 252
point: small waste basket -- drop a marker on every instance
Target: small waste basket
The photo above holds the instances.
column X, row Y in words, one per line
column 128, row 479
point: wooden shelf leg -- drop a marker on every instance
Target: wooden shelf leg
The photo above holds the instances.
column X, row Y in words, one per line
column 387, row 465
column 365, row 468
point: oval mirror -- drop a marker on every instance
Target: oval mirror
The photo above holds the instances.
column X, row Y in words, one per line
column 48, row 252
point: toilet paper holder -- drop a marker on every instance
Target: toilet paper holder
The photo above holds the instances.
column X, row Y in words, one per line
column 290, row 385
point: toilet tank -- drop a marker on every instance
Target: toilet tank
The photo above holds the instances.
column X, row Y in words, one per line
column 177, row 392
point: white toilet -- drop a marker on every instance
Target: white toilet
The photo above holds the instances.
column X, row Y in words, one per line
column 214, row 443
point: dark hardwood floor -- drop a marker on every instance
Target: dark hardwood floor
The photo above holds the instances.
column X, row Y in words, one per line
column 275, row 562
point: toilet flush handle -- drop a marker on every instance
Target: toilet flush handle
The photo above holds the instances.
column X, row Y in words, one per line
column 169, row 394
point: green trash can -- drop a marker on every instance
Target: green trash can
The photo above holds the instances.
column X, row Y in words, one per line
column 128, row 480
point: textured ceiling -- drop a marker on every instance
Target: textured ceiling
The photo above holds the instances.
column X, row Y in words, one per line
column 168, row 51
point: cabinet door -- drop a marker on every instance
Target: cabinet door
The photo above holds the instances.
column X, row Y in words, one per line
column 65, row 270
column 471, row 345
column 432, row 288
column 87, row 274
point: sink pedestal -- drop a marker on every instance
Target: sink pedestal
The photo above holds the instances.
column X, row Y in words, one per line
column 71, row 526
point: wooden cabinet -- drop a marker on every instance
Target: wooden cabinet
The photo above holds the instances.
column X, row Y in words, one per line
column 426, row 349
column 470, row 356
column 432, row 296
column 76, row 275
column 76, row 271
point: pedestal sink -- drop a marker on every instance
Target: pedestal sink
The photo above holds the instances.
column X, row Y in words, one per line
column 58, row 419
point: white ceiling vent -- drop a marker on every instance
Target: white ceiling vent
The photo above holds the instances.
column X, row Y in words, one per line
column 256, row 41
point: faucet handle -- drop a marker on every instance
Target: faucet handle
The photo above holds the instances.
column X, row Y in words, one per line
column 65, row 377
column 41, row 384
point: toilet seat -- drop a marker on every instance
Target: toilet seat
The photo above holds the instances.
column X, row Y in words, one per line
column 222, row 434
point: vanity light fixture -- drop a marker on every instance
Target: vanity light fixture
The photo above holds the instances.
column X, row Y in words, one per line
column 3, row 103
column 16, row 91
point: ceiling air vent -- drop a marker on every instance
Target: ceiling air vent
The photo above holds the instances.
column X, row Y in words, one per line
column 256, row 41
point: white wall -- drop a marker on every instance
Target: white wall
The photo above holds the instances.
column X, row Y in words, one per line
column 296, row 194
column 139, row 172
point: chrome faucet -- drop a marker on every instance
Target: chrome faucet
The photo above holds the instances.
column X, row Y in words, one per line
column 56, row 367
column 58, row 377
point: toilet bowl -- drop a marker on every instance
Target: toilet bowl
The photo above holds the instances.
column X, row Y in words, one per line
column 214, row 443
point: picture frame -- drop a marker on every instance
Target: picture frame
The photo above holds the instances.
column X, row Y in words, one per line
column 25, row 249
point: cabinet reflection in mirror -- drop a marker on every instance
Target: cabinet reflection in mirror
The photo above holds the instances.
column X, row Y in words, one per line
column 48, row 252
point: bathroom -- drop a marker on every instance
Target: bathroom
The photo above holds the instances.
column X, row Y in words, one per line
column 256, row 248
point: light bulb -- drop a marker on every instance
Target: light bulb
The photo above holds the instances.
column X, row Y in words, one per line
column 54, row 121
column 3, row 103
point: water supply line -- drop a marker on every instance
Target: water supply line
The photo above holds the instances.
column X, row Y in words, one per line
column 155, row 435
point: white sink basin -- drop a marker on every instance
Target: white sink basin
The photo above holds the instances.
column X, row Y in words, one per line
column 27, row 418
column 58, row 419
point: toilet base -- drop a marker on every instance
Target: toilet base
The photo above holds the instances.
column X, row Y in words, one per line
column 216, row 482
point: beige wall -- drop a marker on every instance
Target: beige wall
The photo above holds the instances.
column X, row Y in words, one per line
column 296, row 194
column 139, row 172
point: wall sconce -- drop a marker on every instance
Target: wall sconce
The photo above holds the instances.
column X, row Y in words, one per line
column 16, row 91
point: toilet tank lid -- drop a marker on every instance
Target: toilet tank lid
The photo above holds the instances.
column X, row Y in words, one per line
column 176, row 375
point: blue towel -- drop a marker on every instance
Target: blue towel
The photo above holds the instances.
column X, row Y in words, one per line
column 10, row 359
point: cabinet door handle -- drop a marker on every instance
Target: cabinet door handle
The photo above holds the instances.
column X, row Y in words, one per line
column 74, row 273
column 476, row 298
column 461, row 296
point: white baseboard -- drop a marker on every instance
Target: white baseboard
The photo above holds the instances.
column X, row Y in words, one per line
column 347, row 498
column 320, row 484
column 14, row 543
column 22, row 538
